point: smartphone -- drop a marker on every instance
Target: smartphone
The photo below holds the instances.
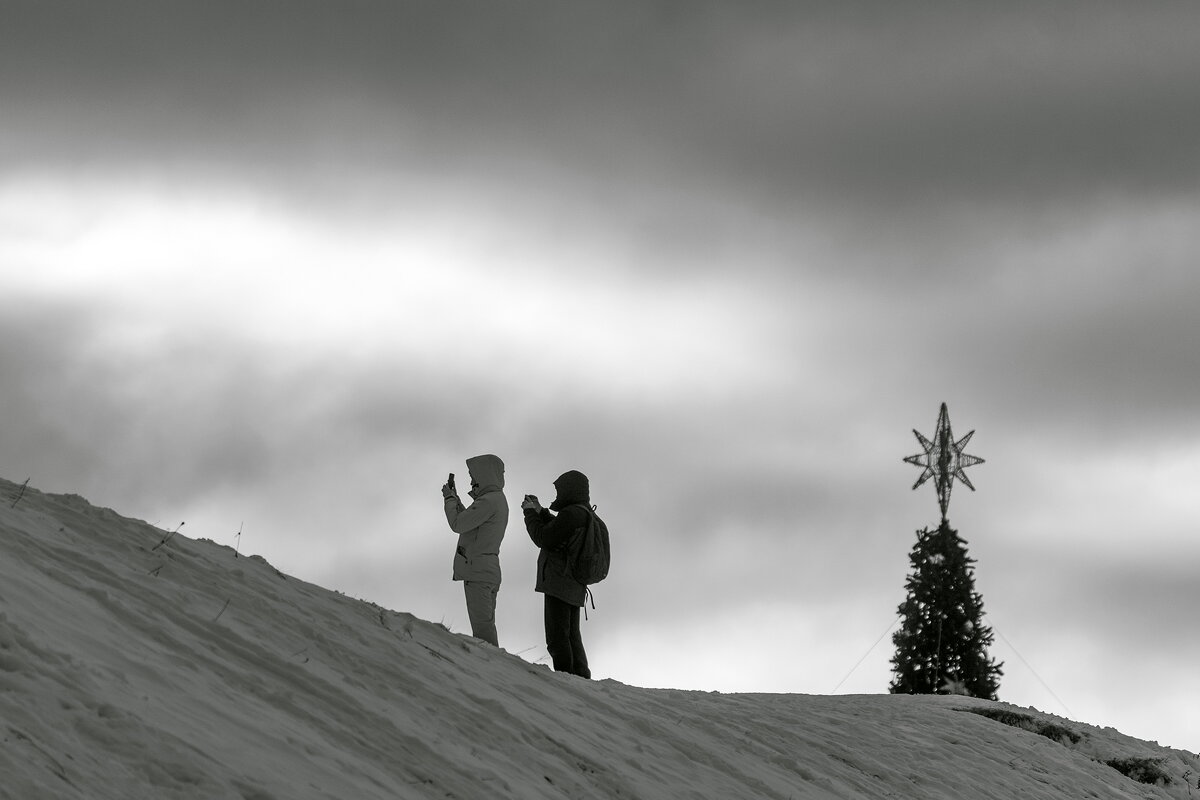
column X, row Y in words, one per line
column 450, row 481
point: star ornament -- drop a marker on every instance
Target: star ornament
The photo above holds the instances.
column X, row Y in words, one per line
column 943, row 460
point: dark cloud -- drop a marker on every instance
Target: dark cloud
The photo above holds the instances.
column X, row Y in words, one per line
column 825, row 113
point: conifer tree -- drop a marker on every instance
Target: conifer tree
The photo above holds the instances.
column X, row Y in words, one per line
column 942, row 644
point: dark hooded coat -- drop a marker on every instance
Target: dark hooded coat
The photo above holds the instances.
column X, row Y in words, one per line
column 552, row 533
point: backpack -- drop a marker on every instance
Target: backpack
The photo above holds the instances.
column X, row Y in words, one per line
column 588, row 551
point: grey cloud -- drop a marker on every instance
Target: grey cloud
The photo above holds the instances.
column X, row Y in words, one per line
column 198, row 412
column 1083, row 343
column 794, row 111
column 1122, row 360
column 1143, row 600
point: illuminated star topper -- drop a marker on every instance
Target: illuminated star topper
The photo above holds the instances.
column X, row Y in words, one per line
column 943, row 460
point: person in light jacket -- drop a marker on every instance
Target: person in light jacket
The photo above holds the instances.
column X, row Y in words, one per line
column 480, row 528
column 564, row 596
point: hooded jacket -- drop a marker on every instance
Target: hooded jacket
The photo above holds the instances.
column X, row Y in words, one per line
column 552, row 533
column 480, row 527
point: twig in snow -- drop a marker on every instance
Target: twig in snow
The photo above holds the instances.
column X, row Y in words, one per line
column 222, row 611
column 436, row 653
column 238, row 546
column 166, row 538
column 20, row 494
column 155, row 571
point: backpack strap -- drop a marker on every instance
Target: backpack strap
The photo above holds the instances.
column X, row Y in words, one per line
column 587, row 590
column 587, row 595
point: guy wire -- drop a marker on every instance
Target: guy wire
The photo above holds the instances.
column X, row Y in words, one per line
column 864, row 658
column 1032, row 670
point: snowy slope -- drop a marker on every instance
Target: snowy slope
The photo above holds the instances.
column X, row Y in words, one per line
column 131, row 667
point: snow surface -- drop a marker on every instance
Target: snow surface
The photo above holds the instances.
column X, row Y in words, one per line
column 137, row 663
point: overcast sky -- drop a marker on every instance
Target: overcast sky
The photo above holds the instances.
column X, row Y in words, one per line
column 279, row 267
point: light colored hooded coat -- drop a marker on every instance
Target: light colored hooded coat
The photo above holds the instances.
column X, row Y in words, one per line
column 480, row 527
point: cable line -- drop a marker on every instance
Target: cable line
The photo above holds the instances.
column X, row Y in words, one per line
column 1031, row 669
column 864, row 658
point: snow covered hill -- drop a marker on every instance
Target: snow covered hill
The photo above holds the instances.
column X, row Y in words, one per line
column 137, row 663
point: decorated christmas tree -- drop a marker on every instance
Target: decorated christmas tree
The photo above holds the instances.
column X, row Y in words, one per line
column 942, row 643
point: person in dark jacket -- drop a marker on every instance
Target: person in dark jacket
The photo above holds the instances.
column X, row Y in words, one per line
column 564, row 596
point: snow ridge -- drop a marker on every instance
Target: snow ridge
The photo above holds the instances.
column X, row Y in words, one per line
column 187, row 671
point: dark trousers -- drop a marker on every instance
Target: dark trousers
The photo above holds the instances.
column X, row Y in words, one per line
column 563, row 639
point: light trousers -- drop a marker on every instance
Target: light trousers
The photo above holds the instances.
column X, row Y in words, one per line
column 481, row 609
